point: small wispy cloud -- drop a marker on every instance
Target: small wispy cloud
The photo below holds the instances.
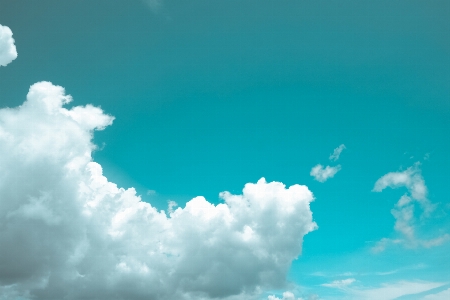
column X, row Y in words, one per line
column 151, row 192
column 171, row 205
column 286, row 296
column 337, row 152
column 386, row 273
column 319, row 274
column 390, row 291
column 8, row 51
column 353, row 274
column 385, row 291
column 154, row 5
column 322, row 174
column 412, row 179
column 443, row 295
column 340, row 284
column 403, row 210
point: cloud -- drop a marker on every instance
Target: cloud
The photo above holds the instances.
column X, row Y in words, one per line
column 391, row 291
column 386, row 273
column 68, row 233
column 337, row 152
column 322, row 174
column 403, row 210
column 8, row 51
column 352, row 274
column 286, row 296
column 386, row 291
column 154, row 5
column 412, row 179
column 151, row 192
column 340, row 284
column 444, row 295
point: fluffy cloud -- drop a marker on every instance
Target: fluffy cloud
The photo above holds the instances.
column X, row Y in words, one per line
column 403, row 211
column 68, row 233
column 322, row 174
column 337, row 152
column 8, row 51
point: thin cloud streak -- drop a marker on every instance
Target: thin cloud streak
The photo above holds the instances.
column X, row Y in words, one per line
column 337, row 152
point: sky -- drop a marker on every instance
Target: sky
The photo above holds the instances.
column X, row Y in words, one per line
column 236, row 150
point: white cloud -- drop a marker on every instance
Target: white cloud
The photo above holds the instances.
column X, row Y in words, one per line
column 403, row 211
column 444, row 295
column 154, row 5
column 340, row 284
column 151, row 192
column 394, row 290
column 436, row 241
column 337, row 152
column 386, row 291
column 322, row 174
column 286, row 296
column 353, row 274
column 67, row 232
column 412, row 179
column 8, row 51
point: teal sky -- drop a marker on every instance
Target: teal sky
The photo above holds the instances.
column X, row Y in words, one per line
column 210, row 95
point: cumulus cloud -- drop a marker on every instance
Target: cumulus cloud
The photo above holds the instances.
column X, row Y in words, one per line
column 337, row 152
column 403, row 210
column 68, row 233
column 8, row 51
column 322, row 174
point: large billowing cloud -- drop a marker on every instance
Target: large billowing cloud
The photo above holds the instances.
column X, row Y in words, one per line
column 8, row 51
column 68, row 233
